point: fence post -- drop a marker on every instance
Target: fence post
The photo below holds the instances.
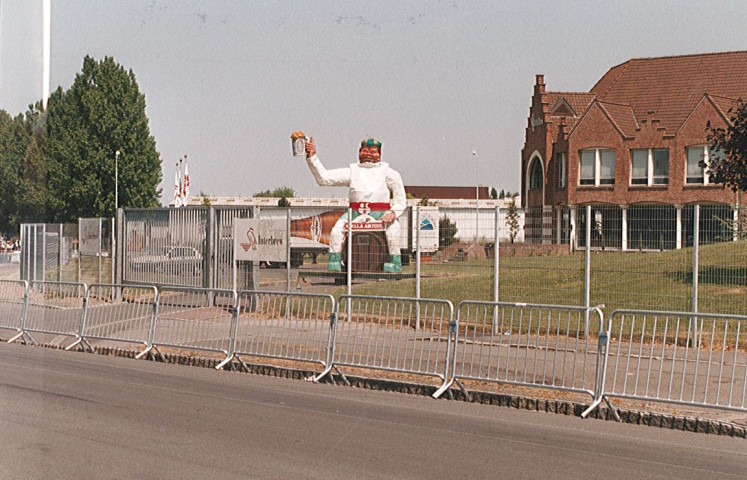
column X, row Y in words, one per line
column 417, row 252
column 496, row 253
column 208, row 272
column 287, row 250
column 59, row 254
column 696, row 267
column 350, row 253
column 587, row 264
column 696, row 252
column 417, row 266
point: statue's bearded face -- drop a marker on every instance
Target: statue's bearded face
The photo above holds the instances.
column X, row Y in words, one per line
column 369, row 155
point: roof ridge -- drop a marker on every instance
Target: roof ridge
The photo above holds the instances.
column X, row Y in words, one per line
column 553, row 92
column 687, row 55
column 714, row 95
column 622, row 67
column 616, row 103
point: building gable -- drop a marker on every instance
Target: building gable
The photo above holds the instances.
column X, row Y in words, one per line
column 598, row 121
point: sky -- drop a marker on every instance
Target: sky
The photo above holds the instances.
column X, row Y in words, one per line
column 227, row 82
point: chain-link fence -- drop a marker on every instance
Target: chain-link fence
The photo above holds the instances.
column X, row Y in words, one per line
column 683, row 258
column 639, row 256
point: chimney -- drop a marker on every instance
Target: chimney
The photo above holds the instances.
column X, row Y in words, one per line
column 540, row 83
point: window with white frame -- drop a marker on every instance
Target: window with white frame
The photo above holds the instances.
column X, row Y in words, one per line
column 561, row 162
column 597, row 167
column 649, row 166
column 695, row 173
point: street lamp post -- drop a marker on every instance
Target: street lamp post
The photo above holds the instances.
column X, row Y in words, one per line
column 116, row 182
column 477, row 196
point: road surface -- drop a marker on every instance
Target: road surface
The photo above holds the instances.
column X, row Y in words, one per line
column 78, row 415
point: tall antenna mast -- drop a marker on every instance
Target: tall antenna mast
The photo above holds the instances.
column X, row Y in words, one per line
column 46, row 40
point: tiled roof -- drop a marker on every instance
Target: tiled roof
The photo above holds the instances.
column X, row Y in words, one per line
column 671, row 87
column 622, row 116
column 724, row 104
column 579, row 101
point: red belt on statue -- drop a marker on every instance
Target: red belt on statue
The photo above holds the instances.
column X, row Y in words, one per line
column 366, row 207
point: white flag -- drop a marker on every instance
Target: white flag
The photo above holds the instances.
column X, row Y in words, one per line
column 177, row 189
column 185, row 188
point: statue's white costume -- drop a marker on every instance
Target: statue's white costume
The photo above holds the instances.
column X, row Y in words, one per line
column 370, row 187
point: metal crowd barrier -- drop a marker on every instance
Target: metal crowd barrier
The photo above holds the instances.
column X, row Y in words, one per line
column 54, row 308
column 13, row 305
column 393, row 333
column 678, row 357
column 120, row 313
column 684, row 358
column 291, row 326
column 193, row 318
column 533, row 345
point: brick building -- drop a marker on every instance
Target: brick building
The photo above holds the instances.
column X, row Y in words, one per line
column 630, row 147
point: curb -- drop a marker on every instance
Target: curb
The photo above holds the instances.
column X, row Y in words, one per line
column 636, row 417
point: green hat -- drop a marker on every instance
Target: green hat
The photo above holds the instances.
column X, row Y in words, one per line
column 371, row 142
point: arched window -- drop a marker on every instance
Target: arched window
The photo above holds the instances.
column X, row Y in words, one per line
column 536, row 175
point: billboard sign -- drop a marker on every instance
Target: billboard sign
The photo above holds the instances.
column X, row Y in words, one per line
column 256, row 239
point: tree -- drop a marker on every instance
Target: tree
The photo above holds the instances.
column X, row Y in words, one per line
column 447, row 230
column 13, row 143
column 493, row 193
column 101, row 113
column 731, row 142
column 425, row 202
column 279, row 192
column 33, row 197
column 512, row 219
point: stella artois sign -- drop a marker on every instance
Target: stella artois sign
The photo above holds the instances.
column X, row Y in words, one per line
column 256, row 239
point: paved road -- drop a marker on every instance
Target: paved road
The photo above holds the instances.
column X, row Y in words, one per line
column 74, row 415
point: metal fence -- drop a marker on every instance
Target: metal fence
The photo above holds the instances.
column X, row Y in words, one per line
column 690, row 258
column 683, row 358
column 191, row 247
column 678, row 357
column 193, row 318
column 13, row 305
column 684, row 258
column 393, row 333
column 119, row 313
column 547, row 346
column 54, row 308
column 283, row 326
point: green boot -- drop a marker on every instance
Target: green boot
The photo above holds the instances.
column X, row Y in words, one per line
column 335, row 262
column 394, row 265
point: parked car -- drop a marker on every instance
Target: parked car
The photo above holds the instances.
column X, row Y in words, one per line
column 176, row 259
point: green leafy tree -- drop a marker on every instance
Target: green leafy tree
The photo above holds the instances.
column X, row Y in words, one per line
column 493, row 193
column 33, row 196
column 731, row 168
column 13, row 144
column 101, row 113
column 447, row 230
column 512, row 219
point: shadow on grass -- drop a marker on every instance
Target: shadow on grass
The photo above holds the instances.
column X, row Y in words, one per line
column 728, row 276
